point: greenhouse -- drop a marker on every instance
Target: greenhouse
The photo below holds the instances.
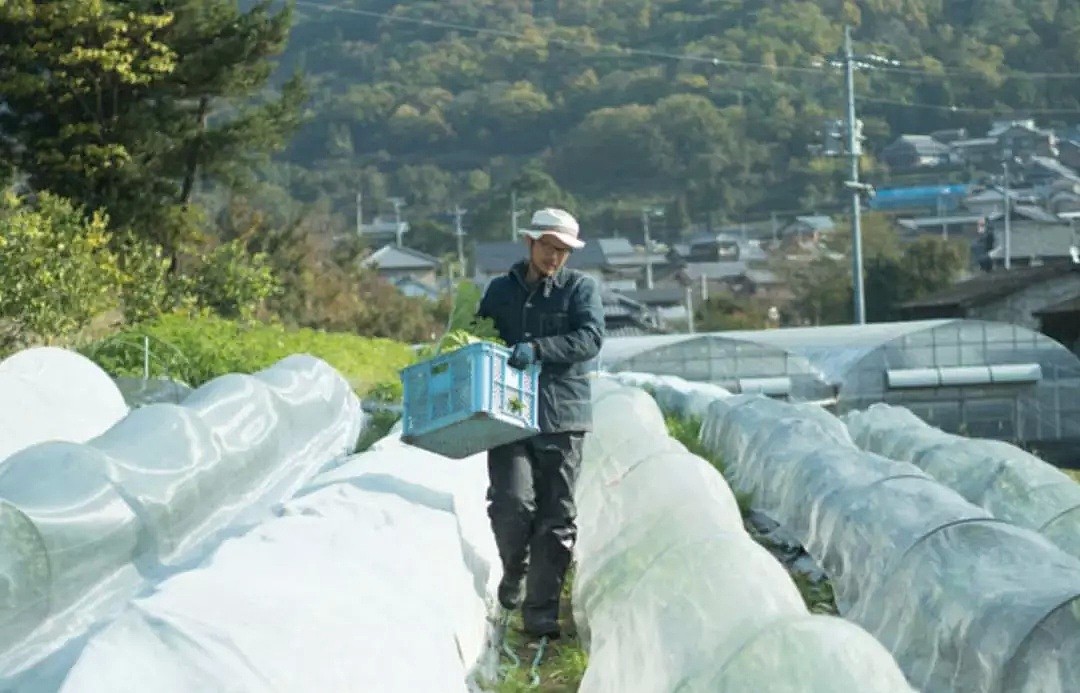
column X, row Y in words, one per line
column 735, row 361
column 977, row 378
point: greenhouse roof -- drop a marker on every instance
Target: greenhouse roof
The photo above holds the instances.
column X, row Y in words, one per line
column 831, row 350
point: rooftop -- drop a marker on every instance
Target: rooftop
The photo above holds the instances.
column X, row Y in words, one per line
column 392, row 257
column 988, row 287
column 1071, row 305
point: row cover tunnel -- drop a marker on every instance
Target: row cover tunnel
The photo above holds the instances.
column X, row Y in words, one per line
column 976, row 378
column 964, row 598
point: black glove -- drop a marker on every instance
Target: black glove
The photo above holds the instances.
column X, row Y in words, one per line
column 523, row 355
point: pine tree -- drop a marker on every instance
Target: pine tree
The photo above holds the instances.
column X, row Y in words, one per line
column 123, row 106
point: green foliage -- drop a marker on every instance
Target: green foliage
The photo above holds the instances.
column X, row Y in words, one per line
column 728, row 313
column 463, row 326
column 148, row 289
column 197, row 349
column 56, row 268
column 382, row 421
column 545, row 86
column 688, row 432
column 122, row 107
column 894, row 273
column 322, row 283
column 563, row 665
column 817, row 593
column 233, row 283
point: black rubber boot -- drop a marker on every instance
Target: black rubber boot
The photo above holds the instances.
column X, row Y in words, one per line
column 511, row 590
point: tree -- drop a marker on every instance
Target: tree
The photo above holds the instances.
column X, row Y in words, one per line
column 893, row 274
column 78, row 79
column 121, row 108
column 729, row 313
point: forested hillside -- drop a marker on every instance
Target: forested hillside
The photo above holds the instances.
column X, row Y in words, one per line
column 207, row 155
column 704, row 106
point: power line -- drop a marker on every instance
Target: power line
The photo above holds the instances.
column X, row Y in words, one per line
column 947, row 72
column 608, row 47
column 944, row 72
column 970, row 109
column 820, row 69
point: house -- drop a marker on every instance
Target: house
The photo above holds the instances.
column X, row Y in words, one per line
column 1061, row 322
column 1042, row 171
column 1021, row 138
column 385, row 228
column 713, row 248
column 909, row 152
column 764, row 284
column 1069, row 153
column 981, row 152
column 1064, row 200
column 812, row 227
column 988, row 201
column 622, row 260
column 624, row 316
column 606, row 259
column 937, row 199
column 418, row 289
column 949, row 136
column 1015, row 296
column 395, row 262
column 951, row 226
column 1033, row 242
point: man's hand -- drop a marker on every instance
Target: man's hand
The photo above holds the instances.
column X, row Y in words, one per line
column 523, row 355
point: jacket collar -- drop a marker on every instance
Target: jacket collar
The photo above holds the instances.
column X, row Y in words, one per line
column 557, row 280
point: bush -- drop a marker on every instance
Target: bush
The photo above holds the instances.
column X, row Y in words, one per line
column 149, row 289
column 56, row 269
column 233, row 283
column 197, row 349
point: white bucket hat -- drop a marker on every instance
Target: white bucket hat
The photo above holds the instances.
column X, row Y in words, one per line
column 554, row 222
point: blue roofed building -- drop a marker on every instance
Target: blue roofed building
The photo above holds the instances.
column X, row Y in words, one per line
column 938, row 198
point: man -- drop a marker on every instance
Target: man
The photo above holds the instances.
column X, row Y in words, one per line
column 552, row 316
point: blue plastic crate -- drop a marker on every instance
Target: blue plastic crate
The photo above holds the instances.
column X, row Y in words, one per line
column 468, row 401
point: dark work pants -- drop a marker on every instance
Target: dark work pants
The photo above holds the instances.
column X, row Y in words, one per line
column 533, row 516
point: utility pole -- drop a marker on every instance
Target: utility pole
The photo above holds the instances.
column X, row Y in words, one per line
column 854, row 150
column 690, row 308
column 645, row 213
column 513, row 215
column 398, row 204
column 1008, row 227
column 359, row 215
column 648, row 250
column 460, row 233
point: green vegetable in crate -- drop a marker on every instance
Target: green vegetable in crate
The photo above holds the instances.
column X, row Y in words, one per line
column 462, row 327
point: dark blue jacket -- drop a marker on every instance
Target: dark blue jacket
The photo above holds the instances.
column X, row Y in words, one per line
column 563, row 317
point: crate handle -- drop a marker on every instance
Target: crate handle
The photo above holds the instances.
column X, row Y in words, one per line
column 440, row 367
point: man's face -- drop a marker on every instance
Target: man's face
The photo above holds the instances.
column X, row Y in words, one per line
column 547, row 255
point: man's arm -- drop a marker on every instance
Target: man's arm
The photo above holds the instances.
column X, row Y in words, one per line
column 587, row 328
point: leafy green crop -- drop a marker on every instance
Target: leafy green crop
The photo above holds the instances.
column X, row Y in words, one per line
column 464, row 327
column 196, row 350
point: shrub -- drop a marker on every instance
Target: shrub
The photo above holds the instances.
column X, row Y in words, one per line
column 233, row 283
column 197, row 349
column 56, row 269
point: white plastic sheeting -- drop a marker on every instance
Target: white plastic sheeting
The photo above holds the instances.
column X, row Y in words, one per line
column 674, row 395
column 84, row 526
column 47, row 393
column 965, row 602
column 1008, row 482
column 378, row 576
column 671, row 593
